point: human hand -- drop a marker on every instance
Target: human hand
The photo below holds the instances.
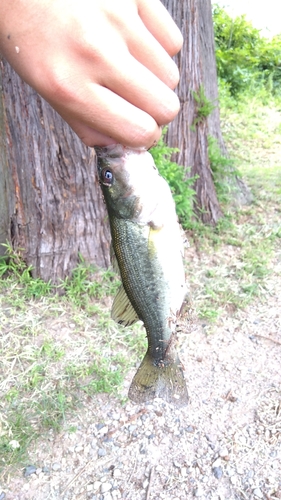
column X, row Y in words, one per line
column 104, row 65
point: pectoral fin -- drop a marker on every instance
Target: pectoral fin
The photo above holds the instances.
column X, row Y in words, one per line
column 122, row 310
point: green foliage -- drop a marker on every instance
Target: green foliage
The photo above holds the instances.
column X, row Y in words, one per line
column 223, row 171
column 181, row 185
column 12, row 264
column 245, row 59
column 204, row 106
column 87, row 283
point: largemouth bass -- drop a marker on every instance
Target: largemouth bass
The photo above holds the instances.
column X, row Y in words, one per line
column 147, row 247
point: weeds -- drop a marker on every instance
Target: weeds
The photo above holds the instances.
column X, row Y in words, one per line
column 58, row 350
column 204, row 106
column 181, row 186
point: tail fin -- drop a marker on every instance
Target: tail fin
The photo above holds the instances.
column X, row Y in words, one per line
column 166, row 382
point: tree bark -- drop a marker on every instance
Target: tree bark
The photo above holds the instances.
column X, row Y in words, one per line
column 51, row 203
column 4, row 180
column 194, row 18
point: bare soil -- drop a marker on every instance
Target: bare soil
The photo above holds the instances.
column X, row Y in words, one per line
column 226, row 444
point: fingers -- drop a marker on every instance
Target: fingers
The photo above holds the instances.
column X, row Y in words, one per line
column 150, row 53
column 108, row 119
column 160, row 24
column 136, row 84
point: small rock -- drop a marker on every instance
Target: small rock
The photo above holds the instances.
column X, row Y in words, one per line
column 223, row 452
column 258, row 493
column 100, row 426
column 56, row 466
column 30, row 469
column 240, row 471
column 97, row 485
column 145, row 484
column 218, row 472
column 101, row 452
column 14, row 444
column 190, row 428
column 90, row 487
column 132, row 428
column 107, row 496
column 2, row 496
column 46, row 470
column 116, row 494
column 105, row 487
column 184, row 471
column 117, row 473
column 199, row 492
column 217, row 463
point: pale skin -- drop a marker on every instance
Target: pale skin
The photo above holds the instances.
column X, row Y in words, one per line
column 104, row 65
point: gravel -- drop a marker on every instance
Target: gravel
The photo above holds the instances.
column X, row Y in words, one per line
column 226, row 444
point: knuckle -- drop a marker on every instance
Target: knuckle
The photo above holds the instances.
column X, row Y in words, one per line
column 144, row 135
column 60, row 86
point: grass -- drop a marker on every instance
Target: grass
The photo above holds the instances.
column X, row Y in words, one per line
column 57, row 350
column 234, row 263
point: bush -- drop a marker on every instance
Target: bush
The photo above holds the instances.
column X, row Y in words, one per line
column 181, row 186
column 245, row 59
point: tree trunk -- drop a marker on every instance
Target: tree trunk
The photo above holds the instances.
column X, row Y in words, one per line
column 51, row 204
column 197, row 67
column 4, row 180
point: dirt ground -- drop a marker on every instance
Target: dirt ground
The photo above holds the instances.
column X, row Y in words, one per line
column 226, row 444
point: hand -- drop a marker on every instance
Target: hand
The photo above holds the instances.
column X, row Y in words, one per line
column 104, row 65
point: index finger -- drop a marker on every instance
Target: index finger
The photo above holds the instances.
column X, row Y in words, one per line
column 158, row 21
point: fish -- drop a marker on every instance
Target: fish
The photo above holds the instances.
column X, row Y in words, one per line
column 147, row 250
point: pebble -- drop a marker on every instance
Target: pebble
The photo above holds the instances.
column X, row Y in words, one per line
column 107, row 496
column 258, row 493
column 2, row 496
column 30, row 469
column 101, row 452
column 105, row 487
column 217, row 463
column 190, row 428
column 97, row 485
column 199, row 492
column 117, row 473
column 218, row 472
column 56, row 466
column 224, row 453
column 116, row 494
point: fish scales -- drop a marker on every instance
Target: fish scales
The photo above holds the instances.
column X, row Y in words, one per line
column 147, row 249
column 144, row 283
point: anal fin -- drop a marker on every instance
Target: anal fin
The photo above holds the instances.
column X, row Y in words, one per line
column 122, row 310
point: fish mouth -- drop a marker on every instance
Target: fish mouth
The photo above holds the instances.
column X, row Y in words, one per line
column 116, row 151
column 112, row 151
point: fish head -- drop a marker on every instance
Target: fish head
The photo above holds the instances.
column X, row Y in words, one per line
column 129, row 180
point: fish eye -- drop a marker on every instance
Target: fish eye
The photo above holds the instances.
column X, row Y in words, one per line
column 107, row 176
